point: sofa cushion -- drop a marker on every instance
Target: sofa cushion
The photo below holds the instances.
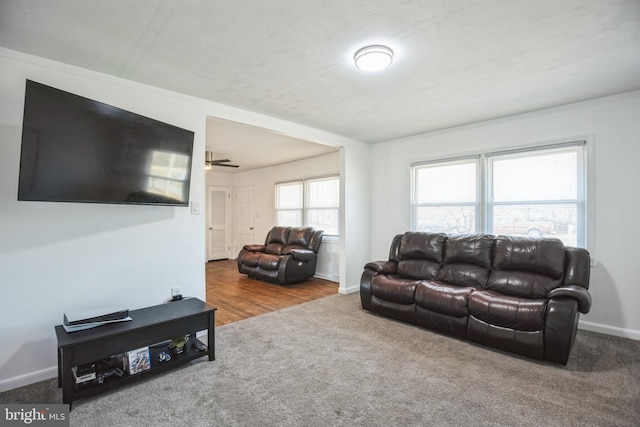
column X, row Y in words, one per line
column 276, row 240
column 250, row 259
column 527, row 267
column 467, row 260
column 300, row 236
column 394, row 289
column 420, row 255
column 443, row 298
column 519, row 314
column 269, row 262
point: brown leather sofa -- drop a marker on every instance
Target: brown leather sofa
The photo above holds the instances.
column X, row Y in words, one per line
column 518, row 294
column 289, row 255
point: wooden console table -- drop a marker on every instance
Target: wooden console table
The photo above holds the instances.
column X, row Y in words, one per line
column 149, row 326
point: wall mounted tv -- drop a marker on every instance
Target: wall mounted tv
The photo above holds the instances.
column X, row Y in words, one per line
column 75, row 149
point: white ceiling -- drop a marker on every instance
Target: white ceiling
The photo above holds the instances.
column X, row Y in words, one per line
column 456, row 61
column 251, row 147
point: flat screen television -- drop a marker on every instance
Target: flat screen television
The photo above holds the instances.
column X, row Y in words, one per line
column 75, row 149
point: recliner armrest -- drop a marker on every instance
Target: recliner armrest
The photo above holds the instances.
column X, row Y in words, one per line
column 254, row 248
column 581, row 295
column 382, row 267
column 302, row 254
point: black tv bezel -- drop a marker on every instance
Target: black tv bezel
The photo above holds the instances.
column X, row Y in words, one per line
column 88, row 101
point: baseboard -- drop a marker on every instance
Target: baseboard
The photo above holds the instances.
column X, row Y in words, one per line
column 609, row 330
column 26, row 379
column 331, row 277
column 349, row 290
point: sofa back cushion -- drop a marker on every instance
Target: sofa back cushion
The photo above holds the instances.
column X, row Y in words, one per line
column 527, row 267
column 467, row 260
column 276, row 240
column 299, row 238
column 420, row 255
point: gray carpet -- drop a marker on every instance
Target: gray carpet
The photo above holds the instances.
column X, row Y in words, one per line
column 329, row 363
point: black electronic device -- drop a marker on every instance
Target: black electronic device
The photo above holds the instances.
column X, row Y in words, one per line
column 75, row 149
column 198, row 345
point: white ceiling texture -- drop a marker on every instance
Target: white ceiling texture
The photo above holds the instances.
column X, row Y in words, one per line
column 456, row 61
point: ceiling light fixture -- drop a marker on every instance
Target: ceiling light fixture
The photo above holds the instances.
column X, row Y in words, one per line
column 373, row 58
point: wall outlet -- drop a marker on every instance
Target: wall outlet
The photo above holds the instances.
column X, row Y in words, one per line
column 176, row 291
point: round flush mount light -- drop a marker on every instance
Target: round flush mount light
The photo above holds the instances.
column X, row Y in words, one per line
column 373, row 58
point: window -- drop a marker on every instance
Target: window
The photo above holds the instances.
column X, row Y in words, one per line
column 535, row 192
column 289, row 204
column 445, row 196
column 309, row 203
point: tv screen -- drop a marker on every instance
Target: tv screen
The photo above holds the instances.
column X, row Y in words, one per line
column 75, row 149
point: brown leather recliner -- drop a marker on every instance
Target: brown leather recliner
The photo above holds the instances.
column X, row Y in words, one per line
column 518, row 294
column 289, row 255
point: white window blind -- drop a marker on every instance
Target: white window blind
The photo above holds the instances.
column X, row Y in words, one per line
column 539, row 191
column 313, row 202
column 289, row 204
column 445, row 196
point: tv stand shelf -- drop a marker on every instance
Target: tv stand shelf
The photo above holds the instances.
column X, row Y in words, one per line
column 148, row 326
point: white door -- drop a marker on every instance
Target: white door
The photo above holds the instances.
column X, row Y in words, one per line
column 244, row 217
column 218, row 246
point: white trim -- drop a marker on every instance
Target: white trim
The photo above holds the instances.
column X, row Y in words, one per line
column 609, row 330
column 30, row 378
column 330, row 277
column 349, row 290
column 484, row 181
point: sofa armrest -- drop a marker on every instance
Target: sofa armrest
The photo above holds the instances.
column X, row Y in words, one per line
column 581, row 295
column 303, row 255
column 382, row 267
column 254, row 248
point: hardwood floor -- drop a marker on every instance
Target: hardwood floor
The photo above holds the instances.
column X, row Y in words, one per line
column 237, row 297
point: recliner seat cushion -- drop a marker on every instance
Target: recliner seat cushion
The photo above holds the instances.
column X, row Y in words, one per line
column 269, row 262
column 443, row 298
column 250, row 259
column 520, row 314
column 394, row 289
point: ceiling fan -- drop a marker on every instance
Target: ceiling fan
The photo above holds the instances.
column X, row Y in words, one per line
column 209, row 161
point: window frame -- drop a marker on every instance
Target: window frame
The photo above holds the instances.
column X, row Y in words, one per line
column 306, row 208
column 415, row 205
column 484, row 185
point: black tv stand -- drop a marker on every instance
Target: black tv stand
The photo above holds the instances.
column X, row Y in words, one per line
column 148, row 327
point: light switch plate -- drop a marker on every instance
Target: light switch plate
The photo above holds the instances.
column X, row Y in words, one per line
column 195, row 207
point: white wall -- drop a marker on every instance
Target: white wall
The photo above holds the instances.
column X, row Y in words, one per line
column 57, row 257
column 263, row 181
column 612, row 124
column 359, row 203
